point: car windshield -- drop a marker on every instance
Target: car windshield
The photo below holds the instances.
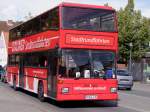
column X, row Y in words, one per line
column 123, row 73
column 87, row 63
column 88, row 19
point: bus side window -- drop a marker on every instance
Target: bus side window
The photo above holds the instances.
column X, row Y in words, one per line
column 45, row 26
column 43, row 61
column 45, row 21
column 35, row 26
column 54, row 19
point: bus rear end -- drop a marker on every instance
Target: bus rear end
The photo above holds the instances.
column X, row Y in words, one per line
column 88, row 48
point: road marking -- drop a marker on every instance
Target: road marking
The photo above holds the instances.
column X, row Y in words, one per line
column 137, row 96
column 134, row 102
column 133, row 108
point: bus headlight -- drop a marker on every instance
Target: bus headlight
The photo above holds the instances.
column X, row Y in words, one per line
column 113, row 90
column 65, row 90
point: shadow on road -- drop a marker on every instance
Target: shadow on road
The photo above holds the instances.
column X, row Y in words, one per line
column 72, row 104
column 83, row 104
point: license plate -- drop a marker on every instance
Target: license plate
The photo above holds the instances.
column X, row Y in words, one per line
column 90, row 97
column 124, row 80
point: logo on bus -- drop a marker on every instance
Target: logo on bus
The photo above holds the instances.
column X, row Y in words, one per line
column 89, row 40
column 23, row 45
column 103, row 88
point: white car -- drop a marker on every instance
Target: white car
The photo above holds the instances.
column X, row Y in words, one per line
column 125, row 79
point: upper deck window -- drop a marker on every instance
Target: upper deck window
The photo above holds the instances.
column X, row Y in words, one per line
column 88, row 19
column 46, row 21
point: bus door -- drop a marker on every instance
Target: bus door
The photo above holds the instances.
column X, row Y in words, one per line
column 21, row 72
column 52, row 71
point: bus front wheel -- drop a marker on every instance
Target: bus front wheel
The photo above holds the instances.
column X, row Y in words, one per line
column 41, row 91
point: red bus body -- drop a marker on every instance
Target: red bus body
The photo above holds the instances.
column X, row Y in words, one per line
column 79, row 89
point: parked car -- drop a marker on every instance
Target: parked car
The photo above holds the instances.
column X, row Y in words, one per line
column 1, row 71
column 125, row 79
column 2, row 75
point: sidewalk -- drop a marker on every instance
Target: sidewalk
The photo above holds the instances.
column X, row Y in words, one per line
column 141, row 86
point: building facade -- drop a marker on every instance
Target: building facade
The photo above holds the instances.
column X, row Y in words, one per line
column 3, row 49
column 4, row 38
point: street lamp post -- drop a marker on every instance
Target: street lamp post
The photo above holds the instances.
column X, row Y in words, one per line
column 130, row 61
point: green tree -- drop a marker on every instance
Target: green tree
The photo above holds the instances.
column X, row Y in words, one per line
column 132, row 28
column 130, row 6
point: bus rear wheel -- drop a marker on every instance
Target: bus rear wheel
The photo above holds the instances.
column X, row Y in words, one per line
column 41, row 91
column 14, row 84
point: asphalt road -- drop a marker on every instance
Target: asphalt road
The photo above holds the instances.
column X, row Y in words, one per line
column 137, row 100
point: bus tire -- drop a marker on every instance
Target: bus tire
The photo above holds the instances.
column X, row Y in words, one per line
column 41, row 91
column 14, row 83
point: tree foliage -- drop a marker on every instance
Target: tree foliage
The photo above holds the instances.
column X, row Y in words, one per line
column 132, row 28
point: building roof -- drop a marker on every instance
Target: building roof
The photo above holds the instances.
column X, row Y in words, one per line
column 6, row 25
column 4, row 28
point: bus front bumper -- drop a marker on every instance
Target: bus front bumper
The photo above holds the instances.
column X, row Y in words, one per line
column 84, row 97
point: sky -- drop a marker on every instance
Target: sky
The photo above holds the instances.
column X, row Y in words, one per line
column 18, row 10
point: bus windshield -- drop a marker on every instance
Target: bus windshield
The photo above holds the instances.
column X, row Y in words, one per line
column 88, row 19
column 86, row 64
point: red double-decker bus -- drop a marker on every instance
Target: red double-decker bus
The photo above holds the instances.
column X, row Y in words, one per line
column 67, row 53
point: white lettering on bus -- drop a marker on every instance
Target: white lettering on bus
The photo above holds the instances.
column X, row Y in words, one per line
column 90, row 88
column 18, row 45
column 22, row 45
column 90, row 40
column 38, row 72
column 39, row 43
